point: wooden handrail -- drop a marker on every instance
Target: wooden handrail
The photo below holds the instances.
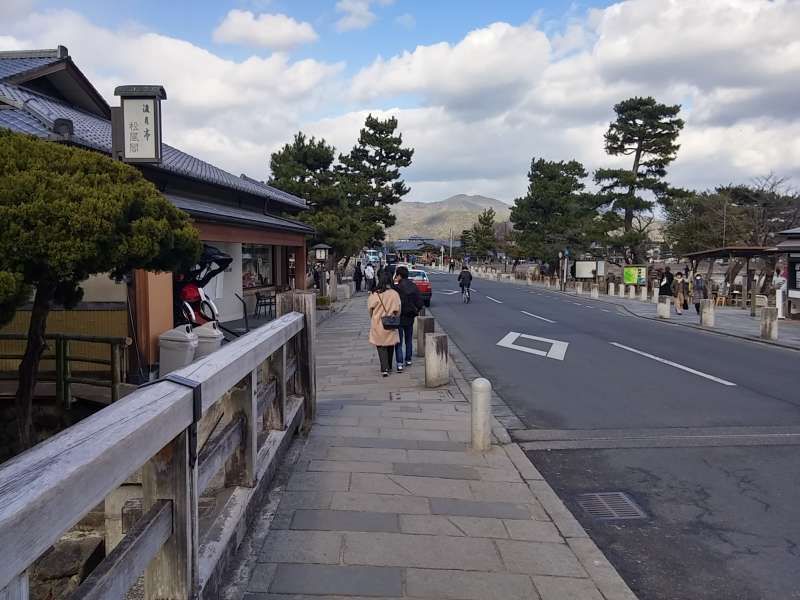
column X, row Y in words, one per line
column 47, row 489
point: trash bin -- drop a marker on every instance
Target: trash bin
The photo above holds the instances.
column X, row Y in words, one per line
column 209, row 338
column 176, row 349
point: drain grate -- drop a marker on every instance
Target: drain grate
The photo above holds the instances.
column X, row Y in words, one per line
column 610, row 505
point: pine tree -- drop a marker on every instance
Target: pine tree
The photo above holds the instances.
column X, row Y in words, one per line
column 647, row 131
column 484, row 241
column 370, row 174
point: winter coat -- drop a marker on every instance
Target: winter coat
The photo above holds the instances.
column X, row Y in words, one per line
column 381, row 305
column 465, row 278
column 410, row 301
column 665, row 288
column 357, row 274
column 699, row 290
column 369, row 272
column 680, row 288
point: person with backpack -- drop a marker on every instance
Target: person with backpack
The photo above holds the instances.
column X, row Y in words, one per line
column 384, row 311
column 411, row 303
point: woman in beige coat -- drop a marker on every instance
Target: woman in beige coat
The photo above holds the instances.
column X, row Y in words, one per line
column 383, row 301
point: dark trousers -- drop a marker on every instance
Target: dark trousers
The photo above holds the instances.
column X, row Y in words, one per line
column 406, row 334
column 385, row 356
column 370, row 284
column 358, row 284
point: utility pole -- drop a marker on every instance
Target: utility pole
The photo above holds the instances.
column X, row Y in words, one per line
column 451, row 243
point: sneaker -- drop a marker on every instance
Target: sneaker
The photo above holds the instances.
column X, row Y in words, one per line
column 408, row 363
column 385, row 373
column 399, row 368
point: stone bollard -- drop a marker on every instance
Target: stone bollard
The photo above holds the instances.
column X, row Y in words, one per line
column 656, row 295
column 621, row 290
column 769, row 323
column 664, row 307
column 481, row 415
column 437, row 360
column 595, row 292
column 707, row 313
column 343, row 291
column 643, row 291
column 424, row 325
column 611, row 289
column 632, row 292
column 579, row 288
column 547, row 283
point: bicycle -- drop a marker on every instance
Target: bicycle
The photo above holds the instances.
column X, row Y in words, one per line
column 465, row 295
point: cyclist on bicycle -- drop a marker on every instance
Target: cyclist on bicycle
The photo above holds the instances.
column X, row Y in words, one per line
column 464, row 279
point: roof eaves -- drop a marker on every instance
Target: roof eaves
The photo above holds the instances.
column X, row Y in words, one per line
column 54, row 53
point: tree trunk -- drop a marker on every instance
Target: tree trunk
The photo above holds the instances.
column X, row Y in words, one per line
column 632, row 189
column 29, row 367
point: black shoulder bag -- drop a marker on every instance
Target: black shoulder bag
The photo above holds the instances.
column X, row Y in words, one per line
column 388, row 321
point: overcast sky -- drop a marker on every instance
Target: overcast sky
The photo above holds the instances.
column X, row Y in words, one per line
column 478, row 87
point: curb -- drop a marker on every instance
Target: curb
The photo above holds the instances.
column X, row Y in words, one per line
column 601, row 572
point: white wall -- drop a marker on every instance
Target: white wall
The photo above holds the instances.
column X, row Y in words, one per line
column 101, row 288
column 223, row 294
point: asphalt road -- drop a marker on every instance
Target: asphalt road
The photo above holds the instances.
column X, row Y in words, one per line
column 701, row 430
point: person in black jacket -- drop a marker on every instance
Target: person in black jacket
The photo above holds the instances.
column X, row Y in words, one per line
column 410, row 304
column 665, row 287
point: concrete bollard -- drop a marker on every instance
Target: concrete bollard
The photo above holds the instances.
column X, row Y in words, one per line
column 632, row 292
column 437, row 360
column 621, row 290
column 656, row 294
column 643, row 295
column 424, row 325
column 343, row 291
column 579, row 288
column 595, row 292
column 611, row 289
column 664, row 307
column 707, row 313
column 481, row 415
column 769, row 323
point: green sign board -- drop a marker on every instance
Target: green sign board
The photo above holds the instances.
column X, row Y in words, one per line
column 634, row 275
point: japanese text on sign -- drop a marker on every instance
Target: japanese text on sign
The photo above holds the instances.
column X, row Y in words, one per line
column 141, row 139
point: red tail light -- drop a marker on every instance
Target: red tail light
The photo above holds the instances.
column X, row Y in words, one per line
column 424, row 286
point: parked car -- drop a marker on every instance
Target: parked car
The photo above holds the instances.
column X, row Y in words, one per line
column 420, row 279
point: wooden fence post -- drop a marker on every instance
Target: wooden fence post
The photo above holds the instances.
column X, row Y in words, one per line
column 306, row 303
column 18, row 589
column 172, row 574
column 116, row 371
column 242, row 466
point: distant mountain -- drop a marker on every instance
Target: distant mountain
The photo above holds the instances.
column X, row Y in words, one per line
column 436, row 219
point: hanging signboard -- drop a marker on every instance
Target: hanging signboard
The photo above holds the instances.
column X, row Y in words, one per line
column 634, row 274
column 136, row 127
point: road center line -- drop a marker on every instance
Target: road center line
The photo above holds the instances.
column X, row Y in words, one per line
column 493, row 300
column 673, row 364
column 525, row 312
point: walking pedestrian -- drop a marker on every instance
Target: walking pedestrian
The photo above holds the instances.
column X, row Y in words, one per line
column 699, row 291
column 358, row 275
column 665, row 287
column 369, row 276
column 410, row 304
column 680, row 289
column 452, row 266
column 383, row 301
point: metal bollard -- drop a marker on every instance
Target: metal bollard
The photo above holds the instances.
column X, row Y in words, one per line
column 437, row 360
column 424, row 325
column 481, row 415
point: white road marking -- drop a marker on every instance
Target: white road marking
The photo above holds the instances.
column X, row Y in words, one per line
column 525, row 312
column 558, row 349
column 605, row 310
column 448, row 292
column 493, row 300
column 674, row 364
column 577, row 304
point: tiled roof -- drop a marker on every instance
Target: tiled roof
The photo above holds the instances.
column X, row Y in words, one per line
column 211, row 211
column 10, row 68
column 34, row 114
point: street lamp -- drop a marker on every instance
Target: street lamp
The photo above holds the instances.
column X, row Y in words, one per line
column 321, row 252
column 321, row 255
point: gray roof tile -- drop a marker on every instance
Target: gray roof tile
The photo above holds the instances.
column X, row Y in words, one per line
column 15, row 66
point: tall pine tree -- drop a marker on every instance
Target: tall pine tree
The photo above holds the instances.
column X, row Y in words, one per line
column 370, row 174
column 647, row 131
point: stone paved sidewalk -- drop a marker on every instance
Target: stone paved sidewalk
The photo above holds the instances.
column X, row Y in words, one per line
column 387, row 501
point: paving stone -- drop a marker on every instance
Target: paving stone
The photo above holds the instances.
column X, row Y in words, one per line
column 498, row 474
column 377, row 443
column 433, row 470
column 344, row 520
column 424, row 551
column 301, row 547
column 415, row 434
column 336, row 421
column 428, row 524
column 261, row 577
column 306, row 499
column 540, row 558
column 459, row 436
column 481, row 527
column 565, row 588
column 373, row 483
column 490, row 491
column 533, row 531
column 460, row 585
column 311, row 482
column 434, row 487
column 380, row 503
column 381, row 421
column 329, row 431
column 604, row 575
column 444, row 457
column 436, row 424
column 368, row 454
column 350, row 466
column 474, row 508
column 560, row 514
column 448, row 446
column 327, row 580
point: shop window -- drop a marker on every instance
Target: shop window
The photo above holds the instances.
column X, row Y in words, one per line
column 256, row 266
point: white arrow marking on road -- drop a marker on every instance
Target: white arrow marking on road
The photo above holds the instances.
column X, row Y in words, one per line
column 673, row 364
column 449, row 292
column 557, row 348
column 493, row 300
column 525, row 312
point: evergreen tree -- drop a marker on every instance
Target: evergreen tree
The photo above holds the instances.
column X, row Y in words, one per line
column 483, row 239
column 556, row 213
column 305, row 168
column 66, row 214
column 370, row 174
column 647, row 131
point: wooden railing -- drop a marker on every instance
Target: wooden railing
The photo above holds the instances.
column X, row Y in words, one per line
column 60, row 353
column 262, row 382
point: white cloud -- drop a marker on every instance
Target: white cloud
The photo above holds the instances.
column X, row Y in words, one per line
column 357, row 14
column 275, row 31
column 406, row 20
